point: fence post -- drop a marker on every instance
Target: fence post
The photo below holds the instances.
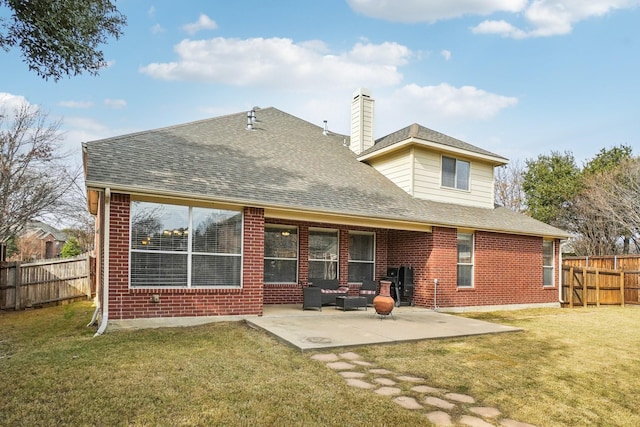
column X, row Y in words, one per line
column 597, row 288
column 585, row 277
column 88, row 272
column 622, row 288
column 18, row 282
column 571, row 287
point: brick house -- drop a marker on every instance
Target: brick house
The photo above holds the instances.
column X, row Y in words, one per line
column 225, row 215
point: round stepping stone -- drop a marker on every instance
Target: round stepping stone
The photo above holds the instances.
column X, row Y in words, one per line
column 439, row 403
column 325, row 357
column 361, row 363
column 340, row 366
column 388, row 391
column 380, row 371
column 350, row 374
column 407, row 402
column 385, row 381
column 427, row 389
column 513, row 423
column 463, row 398
column 410, row 379
column 439, row 418
column 468, row 420
column 349, row 356
column 353, row 382
column 485, row 412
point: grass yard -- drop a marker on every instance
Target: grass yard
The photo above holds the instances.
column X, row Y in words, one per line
column 570, row 367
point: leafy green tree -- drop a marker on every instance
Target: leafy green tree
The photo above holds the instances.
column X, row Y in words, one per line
column 71, row 248
column 60, row 37
column 550, row 183
column 608, row 159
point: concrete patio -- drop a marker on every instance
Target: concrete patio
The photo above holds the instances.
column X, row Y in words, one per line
column 333, row 328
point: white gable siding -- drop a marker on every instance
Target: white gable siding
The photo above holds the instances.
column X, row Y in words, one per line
column 427, row 178
column 397, row 168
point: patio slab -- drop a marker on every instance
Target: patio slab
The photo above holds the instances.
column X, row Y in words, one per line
column 331, row 328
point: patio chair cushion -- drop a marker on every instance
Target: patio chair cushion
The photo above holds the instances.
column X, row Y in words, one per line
column 340, row 290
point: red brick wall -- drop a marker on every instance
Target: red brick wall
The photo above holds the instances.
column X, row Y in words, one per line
column 507, row 270
column 125, row 303
column 412, row 249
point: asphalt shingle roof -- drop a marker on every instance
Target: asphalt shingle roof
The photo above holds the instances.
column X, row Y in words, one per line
column 283, row 162
column 422, row 133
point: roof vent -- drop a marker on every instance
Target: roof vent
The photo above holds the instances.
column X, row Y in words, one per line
column 325, row 132
column 251, row 119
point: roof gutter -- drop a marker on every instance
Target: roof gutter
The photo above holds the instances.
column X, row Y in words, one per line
column 105, row 273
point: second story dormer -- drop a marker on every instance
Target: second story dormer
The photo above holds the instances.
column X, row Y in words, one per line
column 426, row 164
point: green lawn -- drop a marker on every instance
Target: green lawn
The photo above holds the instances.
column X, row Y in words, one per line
column 569, row 367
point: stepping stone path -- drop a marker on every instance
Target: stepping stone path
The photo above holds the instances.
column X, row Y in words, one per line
column 439, row 406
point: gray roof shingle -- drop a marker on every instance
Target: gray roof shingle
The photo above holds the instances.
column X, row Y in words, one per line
column 284, row 162
column 417, row 131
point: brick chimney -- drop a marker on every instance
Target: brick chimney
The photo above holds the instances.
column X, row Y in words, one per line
column 361, row 121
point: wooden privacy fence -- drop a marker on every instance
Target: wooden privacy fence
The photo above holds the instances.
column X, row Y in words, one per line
column 46, row 282
column 610, row 262
column 585, row 286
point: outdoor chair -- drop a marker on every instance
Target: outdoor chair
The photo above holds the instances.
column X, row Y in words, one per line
column 369, row 290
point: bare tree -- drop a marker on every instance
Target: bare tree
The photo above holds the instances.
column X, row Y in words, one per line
column 608, row 209
column 33, row 174
column 508, row 186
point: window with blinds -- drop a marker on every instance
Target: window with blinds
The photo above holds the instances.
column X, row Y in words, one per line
column 184, row 246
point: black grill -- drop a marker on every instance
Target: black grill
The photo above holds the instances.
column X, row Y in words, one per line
column 401, row 279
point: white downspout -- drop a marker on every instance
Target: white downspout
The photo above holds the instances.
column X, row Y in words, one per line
column 105, row 273
column 560, row 276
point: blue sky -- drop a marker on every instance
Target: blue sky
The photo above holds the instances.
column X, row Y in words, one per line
column 517, row 77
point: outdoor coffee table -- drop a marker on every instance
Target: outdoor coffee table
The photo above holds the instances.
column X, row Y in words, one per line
column 351, row 303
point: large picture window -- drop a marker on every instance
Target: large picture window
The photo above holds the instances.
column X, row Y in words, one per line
column 361, row 256
column 183, row 246
column 465, row 260
column 280, row 254
column 455, row 173
column 547, row 262
column 323, row 254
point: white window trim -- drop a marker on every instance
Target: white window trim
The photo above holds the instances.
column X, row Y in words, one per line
column 455, row 178
column 473, row 260
column 326, row 230
column 297, row 258
column 552, row 266
column 368, row 233
column 189, row 252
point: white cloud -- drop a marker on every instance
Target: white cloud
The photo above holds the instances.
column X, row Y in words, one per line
column 553, row 17
column 115, row 103
column 10, row 102
column 203, row 23
column 76, row 104
column 281, row 63
column 543, row 17
column 501, row 27
column 431, row 11
column 448, row 102
column 157, row 29
column 446, row 54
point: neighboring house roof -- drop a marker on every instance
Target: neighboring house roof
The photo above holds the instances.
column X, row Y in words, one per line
column 41, row 230
column 421, row 133
column 283, row 163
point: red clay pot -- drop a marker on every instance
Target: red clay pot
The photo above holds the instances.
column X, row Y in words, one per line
column 383, row 303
